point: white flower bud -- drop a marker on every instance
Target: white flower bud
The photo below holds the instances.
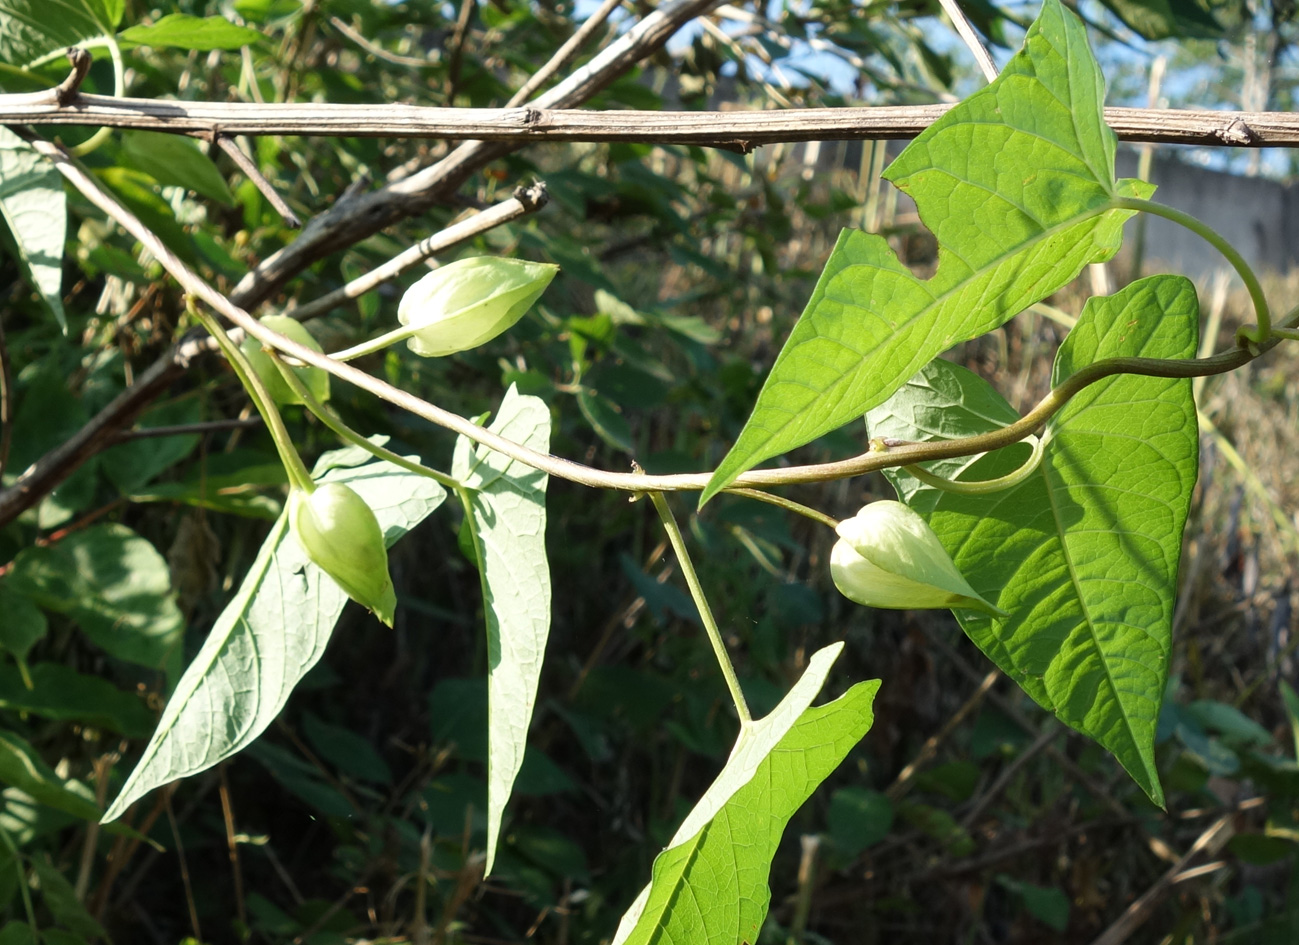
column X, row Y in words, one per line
column 469, row 302
column 888, row 556
column 339, row 533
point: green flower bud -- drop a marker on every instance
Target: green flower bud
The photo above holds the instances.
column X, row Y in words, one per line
column 470, row 301
column 888, row 556
column 339, row 532
column 314, row 379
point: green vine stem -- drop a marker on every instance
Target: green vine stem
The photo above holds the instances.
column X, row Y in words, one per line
column 119, row 89
column 984, row 486
column 701, row 602
column 299, row 476
column 1245, row 334
column 346, row 433
column 869, row 461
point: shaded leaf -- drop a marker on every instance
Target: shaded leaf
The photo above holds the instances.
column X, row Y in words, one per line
column 22, row 767
column 508, row 505
column 267, row 638
column 1014, row 182
column 61, row 693
column 177, row 161
column 34, row 207
column 114, row 584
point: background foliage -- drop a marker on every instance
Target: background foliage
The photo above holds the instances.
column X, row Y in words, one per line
column 361, row 814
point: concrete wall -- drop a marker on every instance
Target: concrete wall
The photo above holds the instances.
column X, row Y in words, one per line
column 1259, row 217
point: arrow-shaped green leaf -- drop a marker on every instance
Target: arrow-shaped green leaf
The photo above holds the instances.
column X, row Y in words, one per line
column 267, row 638
column 710, row 884
column 1014, row 182
column 1083, row 554
column 508, row 505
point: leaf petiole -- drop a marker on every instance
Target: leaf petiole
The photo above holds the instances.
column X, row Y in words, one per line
column 1246, row 334
column 299, row 476
column 701, row 602
column 344, row 432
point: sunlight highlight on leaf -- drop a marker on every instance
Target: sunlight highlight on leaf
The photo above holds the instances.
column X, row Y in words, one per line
column 508, row 504
column 1014, row 182
column 1091, row 541
column 266, row 639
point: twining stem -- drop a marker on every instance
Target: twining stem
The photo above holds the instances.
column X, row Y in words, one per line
column 299, row 476
column 344, row 432
column 984, row 486
column 1246, row 333
column 603, row 479
column 701, row 602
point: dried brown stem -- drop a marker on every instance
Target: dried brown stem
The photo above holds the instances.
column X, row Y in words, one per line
column 572, row 46
column 550, row 121
column 254, row 174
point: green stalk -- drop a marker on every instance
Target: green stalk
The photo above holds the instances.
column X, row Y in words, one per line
column 376, row 344
column 787, row 504
column 344, row 432
column 1256, row 334
column 984, row 486
column 701, row 602
column 299, row 476
column 119, row 89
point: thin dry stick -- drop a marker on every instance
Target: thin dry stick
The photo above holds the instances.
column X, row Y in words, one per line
column 184, row 869
column 896, row 455
column 970, row 38
column 565, row 53
column 524, row 201
column 1208, row 843
column 6, row 401
column 232, row 846
column 413, row 62
column 254, row 174
column 902, row 783
column 555, row 121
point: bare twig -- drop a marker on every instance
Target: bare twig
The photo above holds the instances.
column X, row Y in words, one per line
column 6, row 401
column 457, row 46
column 524, row 201
column 254, row 174
column 970, row 38
column 412, row 62
column 186, row 429
column 902, row 783
column 900, row 455
column 354, row 217
column 548, row 121
column 67, row 90
column 566, row 52
column 1207, row 844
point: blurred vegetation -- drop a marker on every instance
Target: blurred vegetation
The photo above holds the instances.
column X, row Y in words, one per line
column 966, row 815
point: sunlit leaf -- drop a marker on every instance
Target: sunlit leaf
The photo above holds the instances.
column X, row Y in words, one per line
column 267, row 638
column 508, row 505
column 1084, row 553
column 710, row 884
column 1014, row 182
column 34, row 207
column 182, row 31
